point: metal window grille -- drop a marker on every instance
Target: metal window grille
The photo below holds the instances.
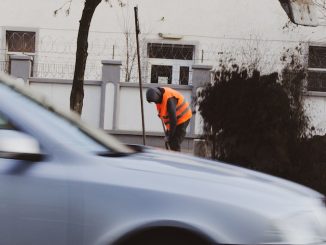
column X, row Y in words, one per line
column 170, row 51
column 317, row 68
column 184, row 75
column 317, row 81
column 317, row 57
column 161, row 74
column 20, row 41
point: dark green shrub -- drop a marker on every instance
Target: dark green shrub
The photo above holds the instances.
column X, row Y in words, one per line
column 259, row 122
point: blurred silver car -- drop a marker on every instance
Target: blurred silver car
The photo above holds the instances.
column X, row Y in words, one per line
column 62, row 182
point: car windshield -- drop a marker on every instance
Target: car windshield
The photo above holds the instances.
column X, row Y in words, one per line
column 4, row 123
column 68, row 128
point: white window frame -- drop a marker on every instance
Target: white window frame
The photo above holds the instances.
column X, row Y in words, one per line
column 23, row 29
column 317, row 70
column 175, row 63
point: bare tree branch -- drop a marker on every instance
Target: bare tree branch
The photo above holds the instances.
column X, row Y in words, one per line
column 65, row 6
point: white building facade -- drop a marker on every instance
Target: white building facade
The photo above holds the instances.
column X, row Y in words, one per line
column 175, row 36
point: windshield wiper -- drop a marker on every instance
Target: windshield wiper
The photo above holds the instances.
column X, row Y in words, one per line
column 112, row 154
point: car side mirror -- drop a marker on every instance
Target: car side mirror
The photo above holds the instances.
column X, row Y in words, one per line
column 19, row 146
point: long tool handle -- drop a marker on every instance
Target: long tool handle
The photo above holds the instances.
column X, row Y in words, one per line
column 139, row 75
column 165, row 133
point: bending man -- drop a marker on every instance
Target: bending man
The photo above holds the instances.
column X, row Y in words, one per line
column 174, row 111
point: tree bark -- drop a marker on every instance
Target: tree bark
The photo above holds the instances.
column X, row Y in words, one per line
column 77, row 90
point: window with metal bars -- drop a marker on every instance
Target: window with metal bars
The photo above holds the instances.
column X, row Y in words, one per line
column 161, row 74
column 317, row 68
column 170, row 62
column 184, row 75
column 20, row 41
column 170, row 51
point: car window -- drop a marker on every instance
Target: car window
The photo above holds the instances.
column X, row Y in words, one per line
column 4, row 123
column 67, row 129
column 69, row 133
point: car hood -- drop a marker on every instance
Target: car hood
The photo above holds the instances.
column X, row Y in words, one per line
column 216, row 173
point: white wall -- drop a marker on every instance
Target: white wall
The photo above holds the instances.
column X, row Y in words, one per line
column 59, row 94
column 128, row 111
column 109, row 110
column 91, row 106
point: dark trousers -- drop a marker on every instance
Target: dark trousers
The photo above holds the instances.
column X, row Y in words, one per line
column 179, row 135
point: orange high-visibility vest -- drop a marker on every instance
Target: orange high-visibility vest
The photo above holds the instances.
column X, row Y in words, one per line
column 183, row 111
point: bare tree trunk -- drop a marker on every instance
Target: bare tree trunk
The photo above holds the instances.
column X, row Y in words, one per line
column 77, row 91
